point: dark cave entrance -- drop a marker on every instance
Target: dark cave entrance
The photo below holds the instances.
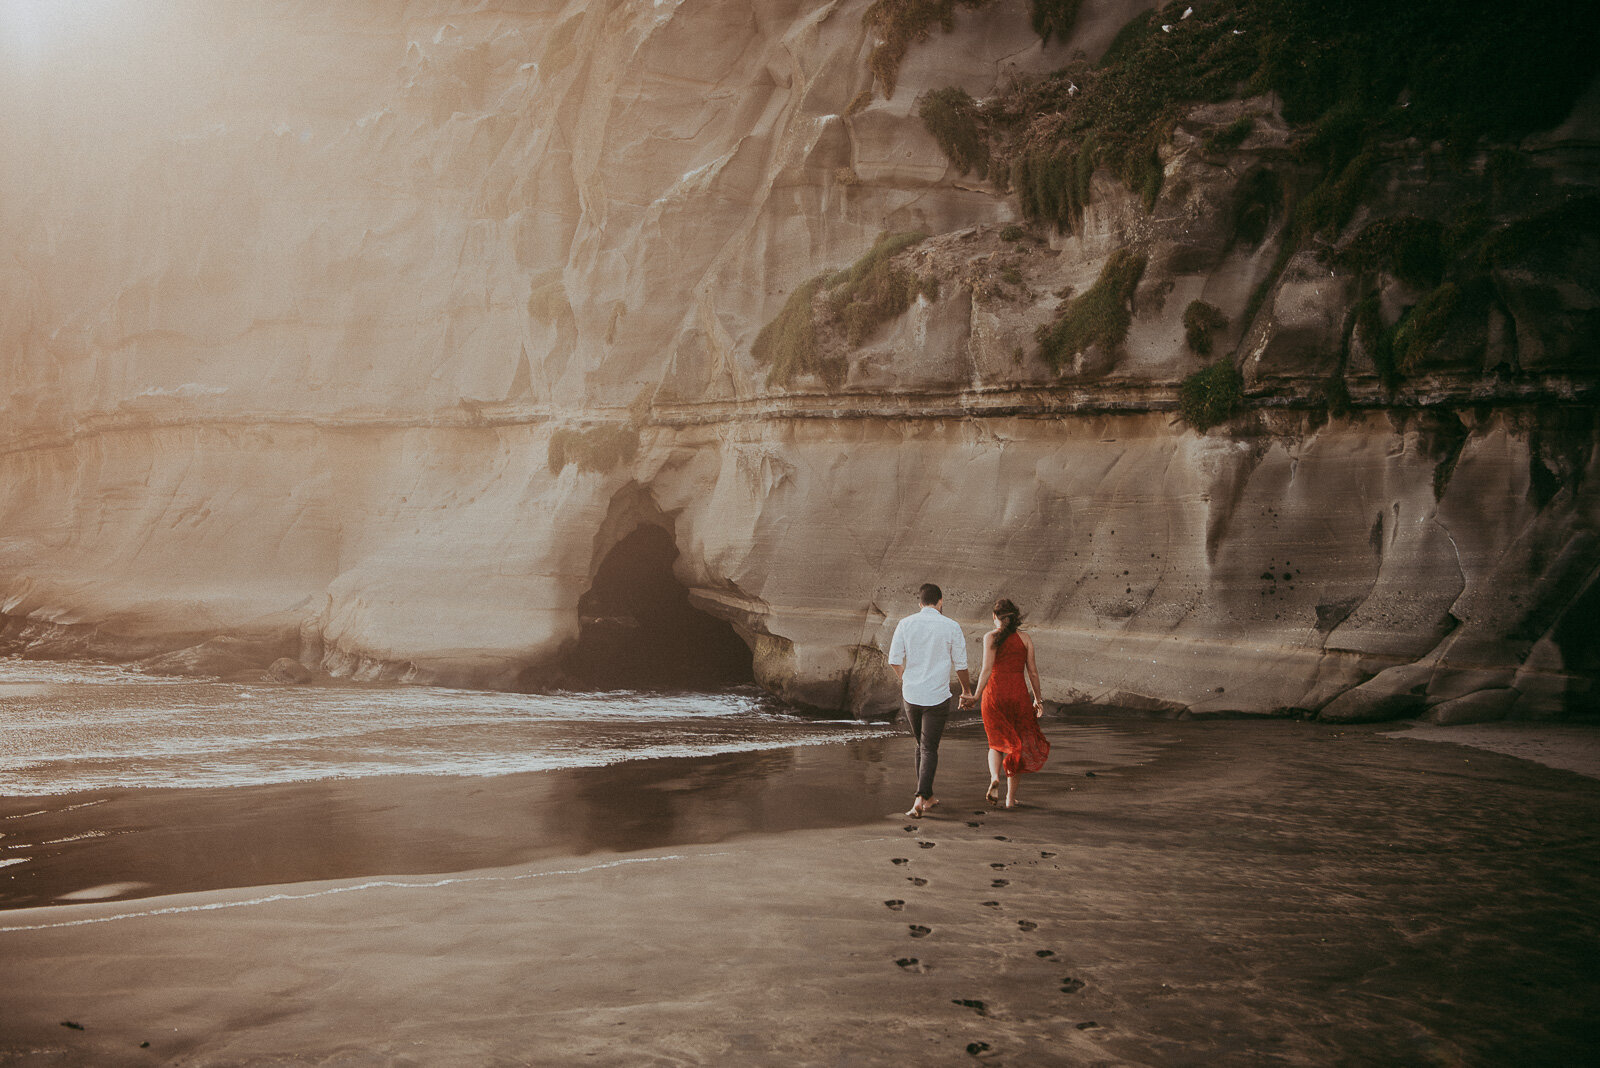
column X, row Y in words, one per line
column 638, row 630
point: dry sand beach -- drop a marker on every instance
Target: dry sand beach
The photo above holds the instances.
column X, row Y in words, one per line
column 1213, row 893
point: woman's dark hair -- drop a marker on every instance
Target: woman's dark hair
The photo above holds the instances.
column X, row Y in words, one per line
column 1010, row 620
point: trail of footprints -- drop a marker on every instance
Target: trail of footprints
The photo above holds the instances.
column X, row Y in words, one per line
column 1069, row 984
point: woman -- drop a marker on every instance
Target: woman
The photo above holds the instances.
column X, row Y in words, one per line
column 1010, row 715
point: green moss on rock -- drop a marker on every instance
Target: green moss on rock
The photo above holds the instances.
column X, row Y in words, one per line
column 898, row 24
column 874, row 289
column 1574, row 218
column 1406, row 246
column 788, row 344
column 1211, row 396
column 1200, row 321
column 1329, row 205
column 1101, row 316
column 856, row 301
column 952, row 117
column 1229, row 137
column 1421, row 329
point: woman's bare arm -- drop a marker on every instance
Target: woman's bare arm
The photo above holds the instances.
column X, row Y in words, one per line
column 988, row 664
column 1033, row 678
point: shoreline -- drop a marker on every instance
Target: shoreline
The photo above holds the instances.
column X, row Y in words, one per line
column 1274, row 893
column 125, row 844
column 1563, row 746
column 171, row 840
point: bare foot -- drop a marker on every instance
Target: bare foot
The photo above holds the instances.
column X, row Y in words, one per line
column 992, row 796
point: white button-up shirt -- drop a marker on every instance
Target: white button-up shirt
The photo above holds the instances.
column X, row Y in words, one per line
column 931, row 646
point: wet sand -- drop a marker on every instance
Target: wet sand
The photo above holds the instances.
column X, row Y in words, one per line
column 1571, row 748
column 153, row 842
column 1215, row 893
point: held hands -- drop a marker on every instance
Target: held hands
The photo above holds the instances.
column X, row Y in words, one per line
column 968, row 701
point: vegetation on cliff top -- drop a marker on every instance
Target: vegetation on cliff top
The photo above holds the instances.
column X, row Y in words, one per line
column 1350, row 76
column 1351, row 73
column 855, row 302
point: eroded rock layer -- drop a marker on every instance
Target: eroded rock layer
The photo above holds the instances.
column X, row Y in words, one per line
column 363, row 336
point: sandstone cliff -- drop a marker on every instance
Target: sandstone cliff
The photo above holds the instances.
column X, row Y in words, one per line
column 361, row 334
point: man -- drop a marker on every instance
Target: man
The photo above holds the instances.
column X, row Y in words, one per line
column 925, row 649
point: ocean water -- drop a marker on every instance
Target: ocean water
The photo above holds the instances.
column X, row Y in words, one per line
column 70, row 727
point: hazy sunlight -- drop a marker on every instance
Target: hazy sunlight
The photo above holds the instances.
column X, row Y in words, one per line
column 31, row 31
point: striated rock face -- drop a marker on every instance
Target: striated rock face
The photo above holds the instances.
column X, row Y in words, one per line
column 369, row 349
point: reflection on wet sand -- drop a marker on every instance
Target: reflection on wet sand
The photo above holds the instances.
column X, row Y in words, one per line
column 136, row 843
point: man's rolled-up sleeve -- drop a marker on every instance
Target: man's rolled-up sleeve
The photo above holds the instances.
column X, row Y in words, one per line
column 958, row 649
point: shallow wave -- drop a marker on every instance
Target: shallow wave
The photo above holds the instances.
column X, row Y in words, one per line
column 16, row 669
column 54, row 778
column 103, row 727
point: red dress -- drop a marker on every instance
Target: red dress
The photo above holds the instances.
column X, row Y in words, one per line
column 1008, row 717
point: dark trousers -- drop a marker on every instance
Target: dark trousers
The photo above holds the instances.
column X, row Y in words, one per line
column 927, row 727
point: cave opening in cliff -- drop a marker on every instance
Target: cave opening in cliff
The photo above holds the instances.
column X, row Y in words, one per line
column 639, row 630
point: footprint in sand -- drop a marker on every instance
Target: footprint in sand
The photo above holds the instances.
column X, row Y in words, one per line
column 1046, row 855
column 976, row 1048
column 1027, row 925
column 908, row 828
column 1069, row 985
column 998, row 867
column 1000, row 882
column 980, row 812
column 911, row 964
column 1044, row 953
column 927, row 845
column 919, row 931
column 896, row 904
column 914, row 881
column 900, row 860
column 971, row 1003
column 974, row 823
column 1001, row 838
column 991, row 904
column 1086, row 1025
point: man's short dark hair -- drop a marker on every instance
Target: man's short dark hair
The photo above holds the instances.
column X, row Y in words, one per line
column 930, row 594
